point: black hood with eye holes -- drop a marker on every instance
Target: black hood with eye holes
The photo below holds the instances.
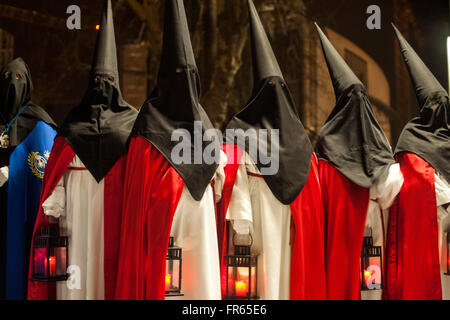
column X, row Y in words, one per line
column 351, row 138
column 174, row 104
column 15, row 92
column 427, row 135
column 271, row 107
column 98, row 129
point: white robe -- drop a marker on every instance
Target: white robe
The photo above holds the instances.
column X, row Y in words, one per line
column 382, row 196
column 442, row 188
column 78, row 202
column 194, row 230
column 254, row 209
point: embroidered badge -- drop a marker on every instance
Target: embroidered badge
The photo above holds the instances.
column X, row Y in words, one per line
column 37, row 163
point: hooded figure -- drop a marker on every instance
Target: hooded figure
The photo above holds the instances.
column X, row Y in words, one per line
column 83, row 184
column 420, row 216
column 358, row 178
column 269, row 199
column 27, row 134
column 168, row 188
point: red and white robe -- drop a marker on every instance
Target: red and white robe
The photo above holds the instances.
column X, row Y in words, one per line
column 89, row 213
column 416, row 249
column 350, row 210
column 158, row 205
column 288, row 238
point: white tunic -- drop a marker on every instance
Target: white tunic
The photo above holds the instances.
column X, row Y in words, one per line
column 442, row 188
column 382, row 196
column 78, row 202
column 194, row 230
column 254, row 208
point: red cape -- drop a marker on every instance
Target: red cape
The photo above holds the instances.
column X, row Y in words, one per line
column 412, row 254
column 152, row 191
column 308, row 247
column 307, row 280
column 60, row 159
column 345, row 206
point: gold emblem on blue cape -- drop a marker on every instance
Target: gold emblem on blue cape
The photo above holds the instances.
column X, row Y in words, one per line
column 37, row 163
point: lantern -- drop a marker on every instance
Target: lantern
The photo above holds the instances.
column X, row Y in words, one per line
column 50, row 253
column 371, row 265
column 173, row 270
column 448, row 253
column 242, row 273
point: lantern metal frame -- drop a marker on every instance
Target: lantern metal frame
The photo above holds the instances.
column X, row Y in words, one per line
column 242, row 258
column 174, row 254
column 370, row 251
column 50, row 239
column 447, row 237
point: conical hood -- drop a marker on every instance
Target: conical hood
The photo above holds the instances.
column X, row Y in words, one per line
column 271, row 108
column 177, row 47
column 341, row 74
column 105, row 57
column 265, row 65
column 174, row 105
column 99, row 127
column 424, row 82
column 427, row 135
column 351, row 139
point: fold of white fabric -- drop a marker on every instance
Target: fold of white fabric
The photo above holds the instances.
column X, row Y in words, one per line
column 55, row 205
column 219, row 177
column 240, row 208
column 78, row 201
column 382, row 195
column 4, row 175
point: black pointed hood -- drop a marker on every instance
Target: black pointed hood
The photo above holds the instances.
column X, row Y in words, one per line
column 98, row 129
column 105, row 56
column 16, row 88
column 351, row 139
column 427, row 135
column 174, row 104
column 341, row 75
column 424, row 82
column 265, row 64
column 272, row 108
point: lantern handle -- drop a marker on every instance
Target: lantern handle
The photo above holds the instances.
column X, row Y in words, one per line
column 249, row 234
column 370, row 229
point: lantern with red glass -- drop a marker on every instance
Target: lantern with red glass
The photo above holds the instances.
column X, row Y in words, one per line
column 242, row 272
column 371, row 265
column 50, row 255
column 173, row 270
column 447, row 237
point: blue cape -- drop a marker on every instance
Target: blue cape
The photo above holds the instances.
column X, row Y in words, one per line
column 26, row 170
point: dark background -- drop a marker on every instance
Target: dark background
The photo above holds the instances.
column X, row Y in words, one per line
column 60, row 59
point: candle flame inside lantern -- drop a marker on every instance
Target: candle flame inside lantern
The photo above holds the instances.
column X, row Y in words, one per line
column 52, row 265
column 367, row 275
column 97, row 27
column 168, row 281
column 240, row 288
